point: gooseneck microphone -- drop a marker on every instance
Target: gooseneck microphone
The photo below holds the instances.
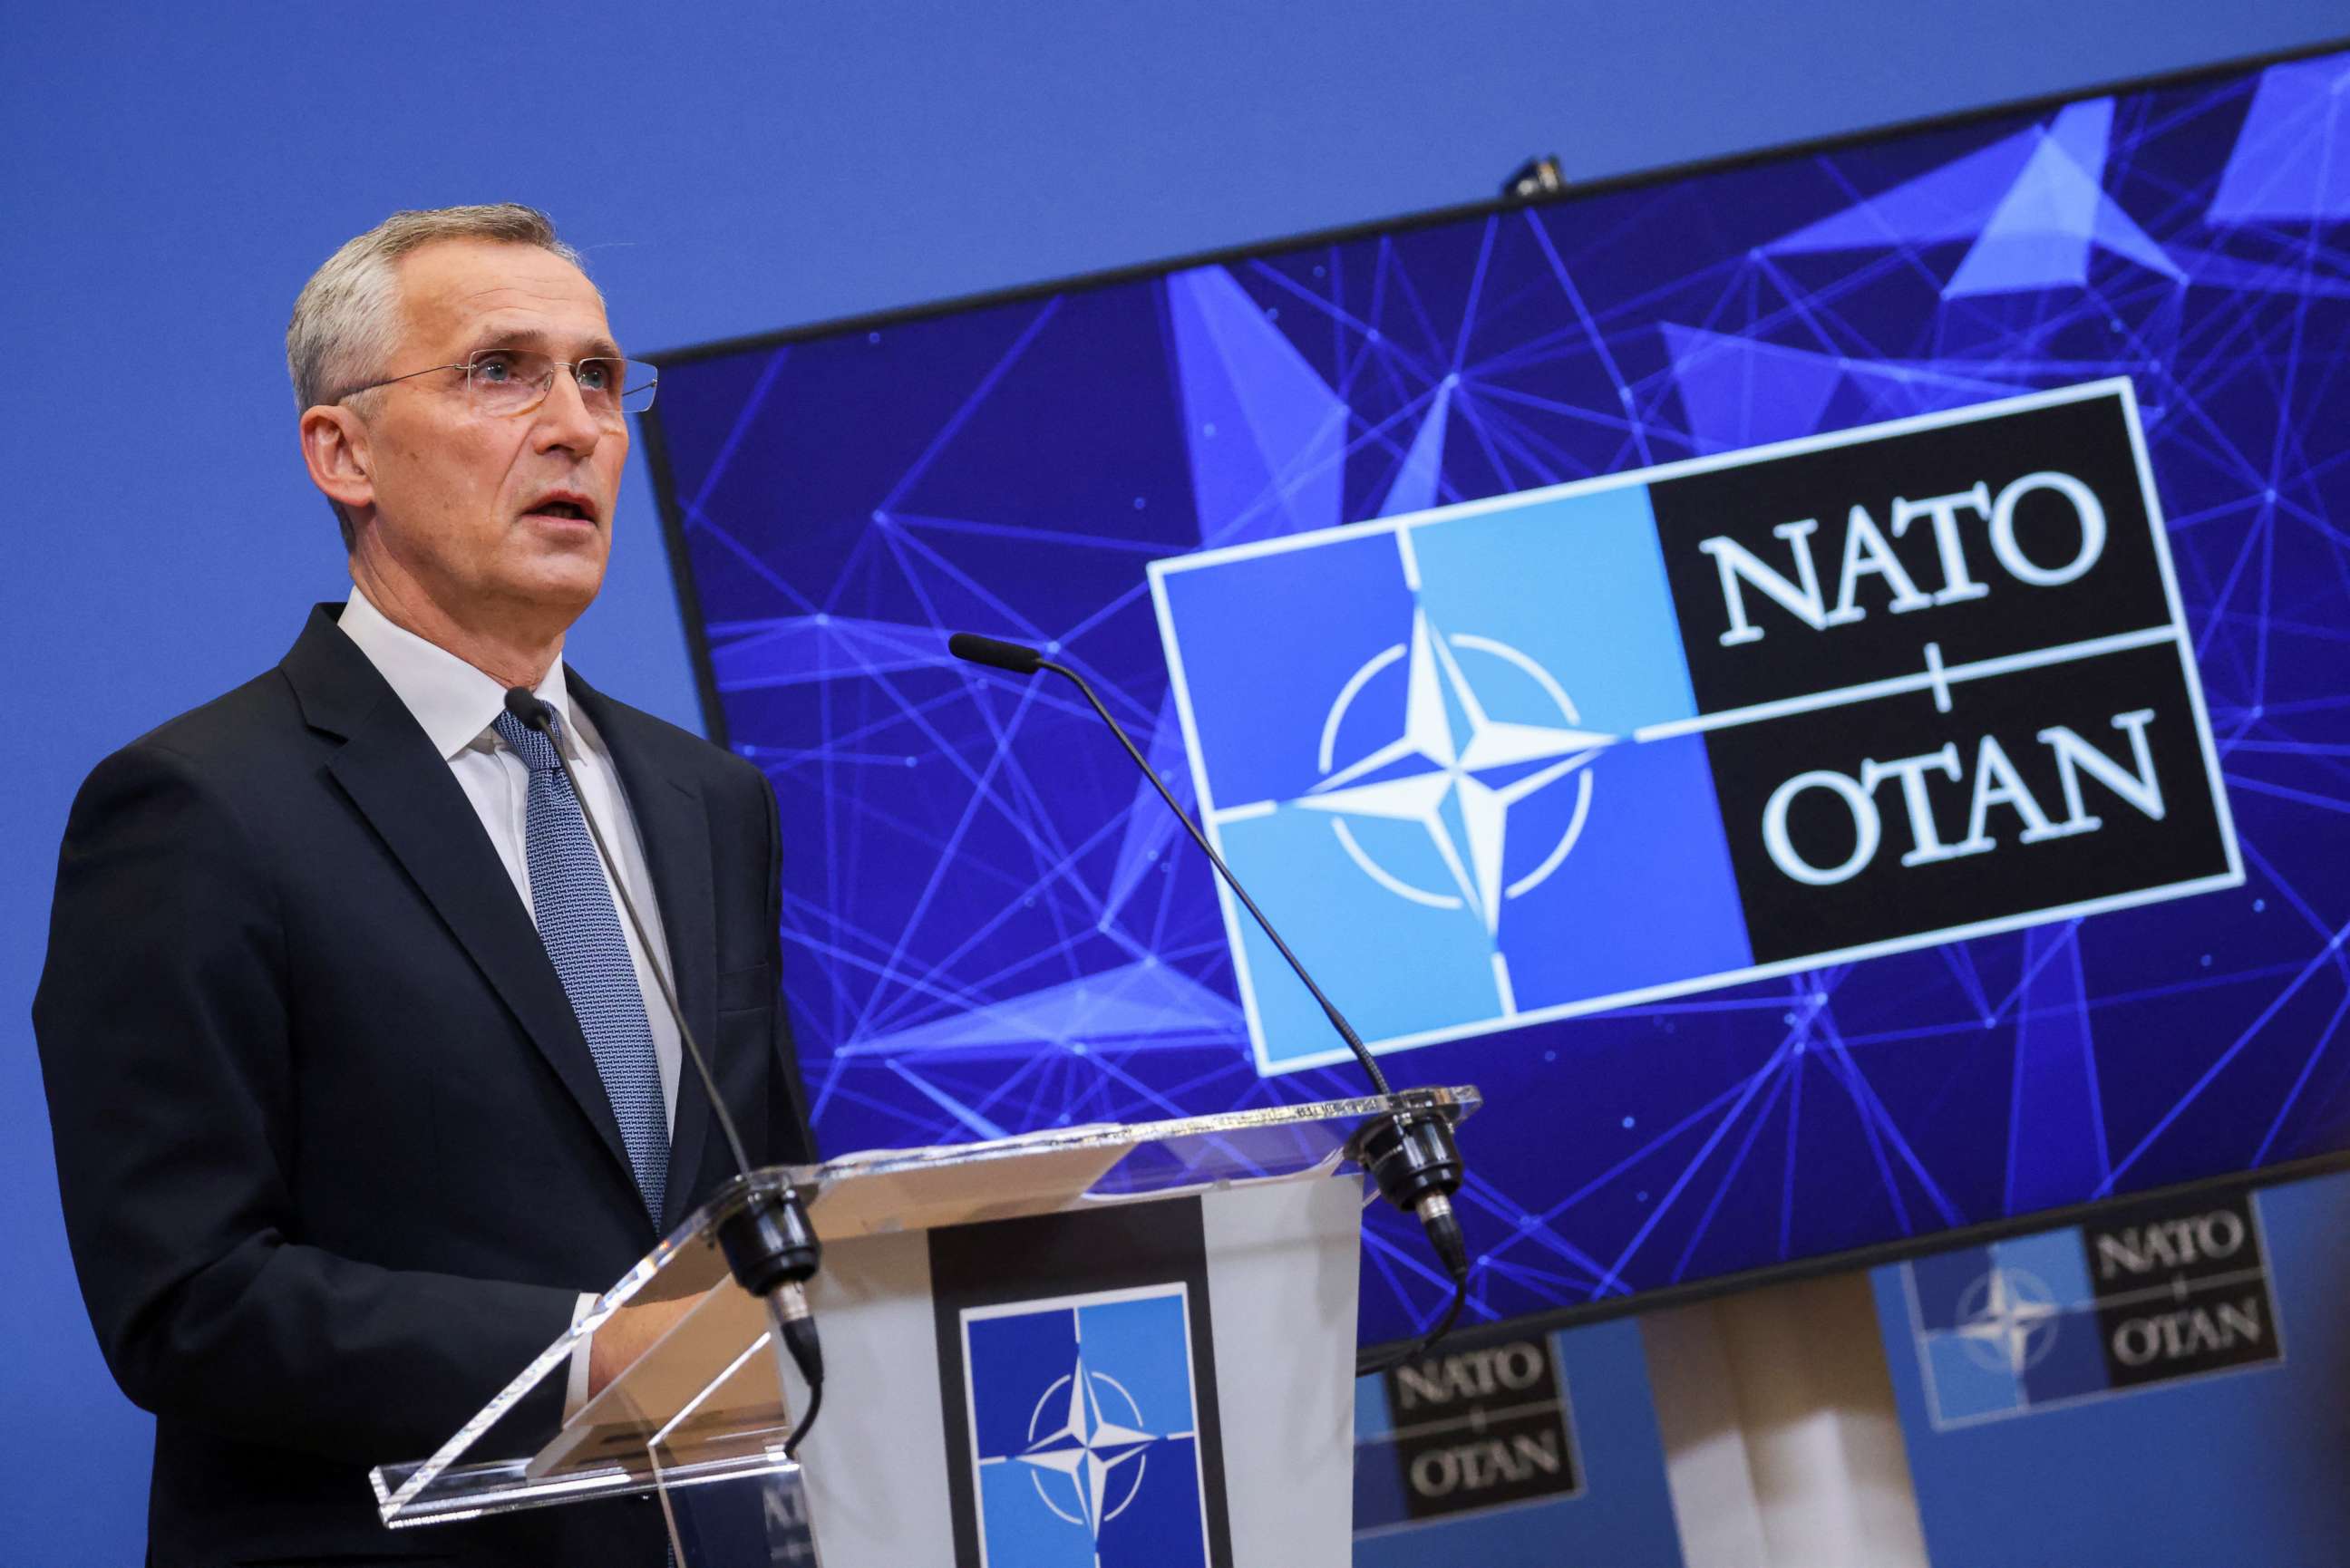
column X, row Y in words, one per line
column 770, row 1246
column 1000, row 655
column 1412, row 1153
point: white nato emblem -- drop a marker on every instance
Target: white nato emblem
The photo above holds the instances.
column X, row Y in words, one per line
column 1093, row 1462
column 2007, row 1321
column 1441, row 773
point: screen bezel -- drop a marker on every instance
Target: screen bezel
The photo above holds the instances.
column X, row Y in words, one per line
column 1817, row 1265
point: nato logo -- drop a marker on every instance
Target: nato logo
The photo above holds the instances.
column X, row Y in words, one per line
column 2005, row 1328
column 1083, row 1443
column 1581, row 747
column 2051, row 1319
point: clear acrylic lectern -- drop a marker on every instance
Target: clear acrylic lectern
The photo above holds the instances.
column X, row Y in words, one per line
column 1035, row 1348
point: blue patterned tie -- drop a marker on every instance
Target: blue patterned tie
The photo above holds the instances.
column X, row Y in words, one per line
column 577, row 919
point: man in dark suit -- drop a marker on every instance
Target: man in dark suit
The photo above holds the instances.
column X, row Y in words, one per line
column 359, row 1078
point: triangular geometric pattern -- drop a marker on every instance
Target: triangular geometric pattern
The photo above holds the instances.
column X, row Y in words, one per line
column 1145, row 1003
column 1151, row 830
column 2275, row 172
column 1736, row 392
column 1739, row 393
column 1267, row 434
column 2084, row 132
column 2032, row 205
column 1952, row 202
column 2039, row 234
column 1414, row 489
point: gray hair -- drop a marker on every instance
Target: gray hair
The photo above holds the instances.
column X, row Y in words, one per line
column 346, row 318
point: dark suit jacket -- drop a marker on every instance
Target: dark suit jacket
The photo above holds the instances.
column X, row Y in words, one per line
column 335, row 1158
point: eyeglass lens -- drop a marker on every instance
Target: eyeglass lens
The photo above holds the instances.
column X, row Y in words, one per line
column 512, row 380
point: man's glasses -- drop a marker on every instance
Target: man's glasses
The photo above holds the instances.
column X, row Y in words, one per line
column 516, row 380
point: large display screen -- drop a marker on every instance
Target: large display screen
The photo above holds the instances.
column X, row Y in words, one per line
column 1818, row 685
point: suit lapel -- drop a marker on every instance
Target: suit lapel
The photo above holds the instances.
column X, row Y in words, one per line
column 391, row 773
column 675, row 829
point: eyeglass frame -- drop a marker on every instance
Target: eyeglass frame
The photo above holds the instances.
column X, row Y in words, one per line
column 555, row 367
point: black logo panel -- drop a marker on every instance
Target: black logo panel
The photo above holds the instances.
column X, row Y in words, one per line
column 1799, row 575
column 1481, row 1424
column 2181, row 1292
column 2039, row 788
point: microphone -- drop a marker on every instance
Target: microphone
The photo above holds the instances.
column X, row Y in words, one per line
column 770, row 1245
column 988, row 650
column 1412, row 1153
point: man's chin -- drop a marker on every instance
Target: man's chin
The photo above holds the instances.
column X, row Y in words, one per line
column 559, row 585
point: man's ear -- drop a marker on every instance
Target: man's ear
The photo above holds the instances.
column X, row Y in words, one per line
column 335, row 445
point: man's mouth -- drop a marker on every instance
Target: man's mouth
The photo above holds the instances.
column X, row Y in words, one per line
column 568, row 507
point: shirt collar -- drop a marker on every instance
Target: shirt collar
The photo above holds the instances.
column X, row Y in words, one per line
column 453, row 702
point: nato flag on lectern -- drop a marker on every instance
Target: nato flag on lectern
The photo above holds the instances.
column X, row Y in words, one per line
column 1082, row 1428
column 1085, row 1441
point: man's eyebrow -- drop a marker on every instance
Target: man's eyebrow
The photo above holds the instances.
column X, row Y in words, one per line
column 596, row 347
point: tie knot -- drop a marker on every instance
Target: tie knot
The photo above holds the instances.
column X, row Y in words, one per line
column 533, row 746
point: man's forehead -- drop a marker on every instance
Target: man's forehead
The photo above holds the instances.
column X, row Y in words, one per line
column 475, row 288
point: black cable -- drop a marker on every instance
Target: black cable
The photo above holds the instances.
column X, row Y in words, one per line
column 1444, row 1229
column 790, row 1309
column 807, row 1419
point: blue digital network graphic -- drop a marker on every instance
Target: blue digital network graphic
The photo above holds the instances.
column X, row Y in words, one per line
column 992, row 926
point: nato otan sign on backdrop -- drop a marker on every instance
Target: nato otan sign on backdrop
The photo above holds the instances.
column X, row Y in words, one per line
column 2148, row 1296
column 1663, row 730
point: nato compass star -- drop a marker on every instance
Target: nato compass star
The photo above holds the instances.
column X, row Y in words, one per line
column 1087, row 1449
column 1455, row 771
column 1999, row 1315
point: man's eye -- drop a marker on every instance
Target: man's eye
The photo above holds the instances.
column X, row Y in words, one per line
column 494, row 368
column 596, row 375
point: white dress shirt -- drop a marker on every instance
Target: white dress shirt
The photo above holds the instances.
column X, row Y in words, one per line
column 455, row 704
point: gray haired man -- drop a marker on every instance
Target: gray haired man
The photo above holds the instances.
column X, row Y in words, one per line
column 358, row 1079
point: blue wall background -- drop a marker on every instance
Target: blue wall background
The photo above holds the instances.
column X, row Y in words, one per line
column 172, row 174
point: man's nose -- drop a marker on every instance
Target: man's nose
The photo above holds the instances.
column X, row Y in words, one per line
column 564, row 417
